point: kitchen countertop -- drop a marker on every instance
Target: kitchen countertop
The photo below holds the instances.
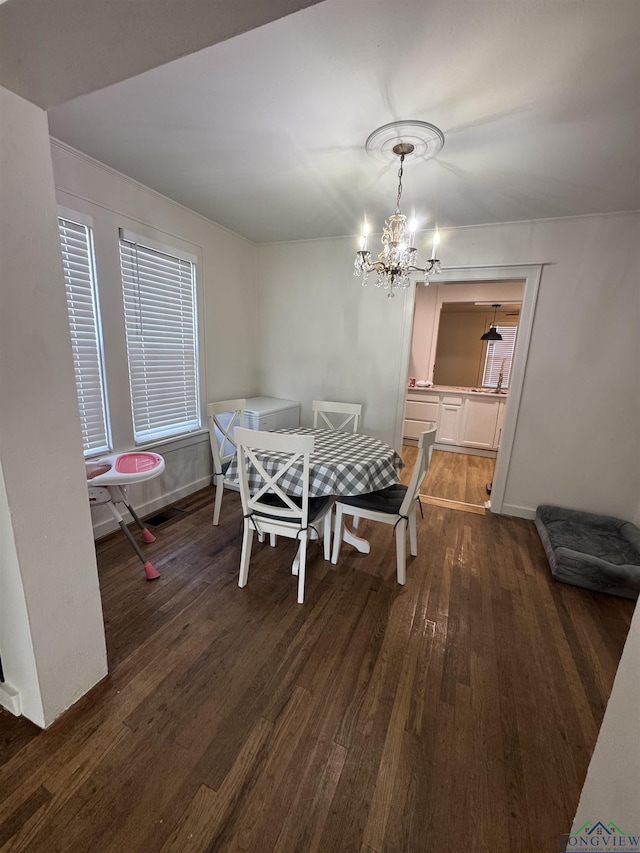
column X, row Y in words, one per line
column 457, row 390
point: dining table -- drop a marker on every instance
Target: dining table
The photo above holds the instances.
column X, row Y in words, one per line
column 342, row 464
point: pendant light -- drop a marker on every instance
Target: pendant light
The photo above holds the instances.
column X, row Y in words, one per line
column 493, row 334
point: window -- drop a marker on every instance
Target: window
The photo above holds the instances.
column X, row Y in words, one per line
column 78, row 261
column 162, row 341
column 499, row 357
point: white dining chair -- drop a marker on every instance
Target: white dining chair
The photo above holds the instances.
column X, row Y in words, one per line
column 223, row 445
column 323, row 408
column 269, row 509
column 395, row 505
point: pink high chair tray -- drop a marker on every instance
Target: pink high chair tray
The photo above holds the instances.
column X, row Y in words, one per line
column 121, row 469
column 137, row 462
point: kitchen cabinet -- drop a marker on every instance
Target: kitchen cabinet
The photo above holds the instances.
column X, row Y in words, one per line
column 465, row 418
column 450, row 418
column 478, row 428
column 497, row 438
column 417, row 413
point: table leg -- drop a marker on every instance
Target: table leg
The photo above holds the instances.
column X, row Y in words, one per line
column 358, row 542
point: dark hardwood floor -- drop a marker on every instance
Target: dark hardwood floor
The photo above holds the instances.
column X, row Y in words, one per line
column 456, row 713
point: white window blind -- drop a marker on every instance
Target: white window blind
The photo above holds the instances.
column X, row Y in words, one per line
column 499, row 357
column 162, row 343
column 76, row 242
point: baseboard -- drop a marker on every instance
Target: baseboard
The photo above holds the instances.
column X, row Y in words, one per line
column 469, row 451
column 447, row 504
column 103, row 528
column 10, row 699
column 518, row 511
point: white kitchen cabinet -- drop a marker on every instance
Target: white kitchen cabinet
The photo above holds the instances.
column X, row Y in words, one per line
column 411, row 429
column 497, row 438
column 465, row 419
column 417, row 413
column 449, row 420
column 479, row 422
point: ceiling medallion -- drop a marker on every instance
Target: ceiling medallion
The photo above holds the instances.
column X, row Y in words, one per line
column 427, row 140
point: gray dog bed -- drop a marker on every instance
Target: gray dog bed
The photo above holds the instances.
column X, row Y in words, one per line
column 596, row 552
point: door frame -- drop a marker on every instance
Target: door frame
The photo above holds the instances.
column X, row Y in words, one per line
column 530, row 274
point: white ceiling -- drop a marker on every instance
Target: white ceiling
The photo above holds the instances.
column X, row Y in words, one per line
column 54, row 50
column 264, row 133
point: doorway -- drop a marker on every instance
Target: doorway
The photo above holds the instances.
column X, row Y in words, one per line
column 506, row 284
column 450, row 348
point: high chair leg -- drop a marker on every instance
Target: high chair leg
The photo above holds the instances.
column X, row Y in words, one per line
column 149, row 569
column 147, row 535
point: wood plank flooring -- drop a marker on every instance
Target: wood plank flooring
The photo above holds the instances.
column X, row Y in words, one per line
column 456, row 713
column 458, row 477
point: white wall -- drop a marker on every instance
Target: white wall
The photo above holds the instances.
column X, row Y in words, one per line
column 611, row 790
column 226, row 307
column 54, row 604
column 16, row 648
column 323, row 335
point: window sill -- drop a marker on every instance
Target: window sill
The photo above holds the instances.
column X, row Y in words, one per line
column 177, row 442
column 166, row 445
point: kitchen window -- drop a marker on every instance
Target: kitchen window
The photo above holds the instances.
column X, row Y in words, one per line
column 499, row 357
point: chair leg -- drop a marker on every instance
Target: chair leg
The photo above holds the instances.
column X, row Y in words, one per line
column 355, row 522
column 327, row 535
column 218, row 504
column 413, row 534
column 302, row 567
column 401, row 551
column 247, row 541
column 337, row 534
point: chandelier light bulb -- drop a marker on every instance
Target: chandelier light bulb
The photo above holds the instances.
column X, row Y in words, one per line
column 413, row 227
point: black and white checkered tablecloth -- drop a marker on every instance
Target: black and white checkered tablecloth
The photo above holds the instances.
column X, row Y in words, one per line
column 341, row 464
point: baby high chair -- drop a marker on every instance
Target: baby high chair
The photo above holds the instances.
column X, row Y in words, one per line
column 107, row 481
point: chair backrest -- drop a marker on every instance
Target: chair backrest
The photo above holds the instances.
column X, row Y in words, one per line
column 223, row 418
column 262, row 481
column 425, row 449
column 321, row 408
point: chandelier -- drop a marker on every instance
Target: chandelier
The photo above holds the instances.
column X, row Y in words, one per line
column 399, row 257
